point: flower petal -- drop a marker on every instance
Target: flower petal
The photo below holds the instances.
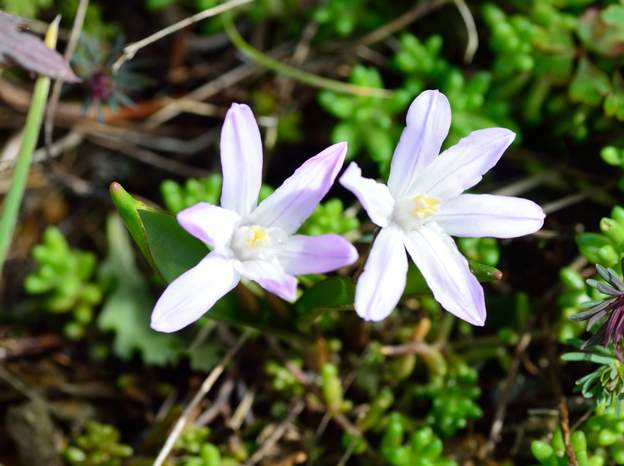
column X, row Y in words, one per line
column 316, row 254
column 375, row 197
column 211, row 224
column 428, row 122
column 271, row 277
column 298, row 196
column 241, row 160
column 488, row 215
column 193, row 293
column 382, row 282
column 462, row 166
column 446, row 272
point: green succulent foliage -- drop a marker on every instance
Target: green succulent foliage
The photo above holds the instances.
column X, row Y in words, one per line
column 471, row 101
column 177, row 197
column 607, row 247
column 98, row 445
column 482, row 250
column 194, row 449
column 422, row 448
column 553, row 453
column 575, row 293
column 65, row 278
column 344, row 17
column 366, row 123
column 453, row 399
column 26, row 8
column 605, row 384
column 537, row 56
column 282, row 379
column 605, row 433
column 598, row 441
column 330, row 217
column 614, row 156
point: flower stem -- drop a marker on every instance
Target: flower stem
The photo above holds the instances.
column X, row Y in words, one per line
column 13, row 199
column 295, row 73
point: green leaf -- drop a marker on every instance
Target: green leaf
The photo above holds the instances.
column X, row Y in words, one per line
column 337, row 293
column 590, row 84
column 127, row 206
column 127, row 309
column 172, row 249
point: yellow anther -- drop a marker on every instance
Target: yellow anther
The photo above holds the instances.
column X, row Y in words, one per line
column 424, row 206
column 257, row 236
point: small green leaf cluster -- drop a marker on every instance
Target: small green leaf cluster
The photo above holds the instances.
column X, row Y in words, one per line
column 614, row 156
column 177, row 197
column 98, row 445
column 596, row 442
column 537, row 57
column 423, row 448
column 605, row 384
column 605, row 248
column 366, row 122
column 330, row 217
column 575, row 293
column 482, row 250
column 282, row 379
column 605, row 433
column 472, row 105
column 65, row 277
column 27, row 8
column 553, row 453
column 344, row 16
column 453, row 399
column 194, row 449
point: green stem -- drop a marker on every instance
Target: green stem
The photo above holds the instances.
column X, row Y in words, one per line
column 13, row 199
column 295, row 73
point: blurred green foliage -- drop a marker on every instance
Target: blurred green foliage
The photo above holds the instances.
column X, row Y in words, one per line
column 422, row 448
column 98, row 445
column 65, row 278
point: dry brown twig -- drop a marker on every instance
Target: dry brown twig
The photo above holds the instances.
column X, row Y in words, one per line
column 81, row 12
column 205, row 387
column 130, row 50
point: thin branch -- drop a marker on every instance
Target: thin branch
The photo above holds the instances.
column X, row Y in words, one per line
column 201, row 393
column 278, row 433
column 296, row 73
column 401, row 22
column 472, row 42
column 564, row 421
column 130, row 50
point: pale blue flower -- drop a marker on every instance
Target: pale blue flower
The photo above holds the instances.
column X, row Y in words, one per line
column 423, row 205
column 256, row 242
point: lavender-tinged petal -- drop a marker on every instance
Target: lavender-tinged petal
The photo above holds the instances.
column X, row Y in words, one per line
column 606, row 305
column 462, row 166
column 298, row 196
column 316, row 254
column 428, row 122
column 382, row 282
column 447, row 273
column 602, row 287
column 488, row 215
column 193, row 293
column 375, row 197
column 241, row 160
column 211, row 224
column 610, row 277
column 271, row 277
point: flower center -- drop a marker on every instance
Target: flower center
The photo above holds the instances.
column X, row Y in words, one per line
column 255, row 242
column 411, row 212
column 424, row 206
